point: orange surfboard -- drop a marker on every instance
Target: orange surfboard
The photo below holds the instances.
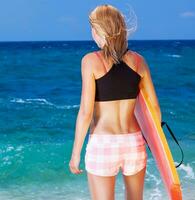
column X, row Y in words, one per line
column 156, row 140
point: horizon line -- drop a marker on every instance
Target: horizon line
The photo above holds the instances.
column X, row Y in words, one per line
column 89, row 40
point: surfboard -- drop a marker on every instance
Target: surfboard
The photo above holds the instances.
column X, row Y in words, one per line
column 153, row 133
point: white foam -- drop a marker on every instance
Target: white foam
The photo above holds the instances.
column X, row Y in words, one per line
column 188, row 170
column 172, row 112
column 155, row 194
column 19, row 148
column 6, row 158
column 9, row 148
column 43, row 102
column 174, row 55
column 152, row 177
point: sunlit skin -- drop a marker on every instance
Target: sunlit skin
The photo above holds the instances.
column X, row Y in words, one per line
column 112, row 116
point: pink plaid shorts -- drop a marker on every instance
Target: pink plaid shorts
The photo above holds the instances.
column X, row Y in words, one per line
column 106, row 153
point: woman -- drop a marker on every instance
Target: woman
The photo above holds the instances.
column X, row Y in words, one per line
column 111, row 79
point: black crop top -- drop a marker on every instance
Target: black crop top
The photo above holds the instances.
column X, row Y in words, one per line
column 120, row 82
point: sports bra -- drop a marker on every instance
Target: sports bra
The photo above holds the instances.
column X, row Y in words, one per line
column 120, row 82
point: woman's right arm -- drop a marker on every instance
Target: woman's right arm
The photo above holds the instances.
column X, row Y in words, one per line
column 147, row 83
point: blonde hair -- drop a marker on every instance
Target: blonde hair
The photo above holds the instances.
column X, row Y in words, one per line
column 109, row 24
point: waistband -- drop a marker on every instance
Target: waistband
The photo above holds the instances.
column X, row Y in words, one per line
column 107, row 134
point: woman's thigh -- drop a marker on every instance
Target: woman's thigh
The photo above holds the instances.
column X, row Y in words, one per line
column 134, row 166
column 134, row 185
column 101, row 187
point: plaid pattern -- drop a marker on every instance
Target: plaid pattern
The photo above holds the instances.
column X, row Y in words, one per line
column 106, row 153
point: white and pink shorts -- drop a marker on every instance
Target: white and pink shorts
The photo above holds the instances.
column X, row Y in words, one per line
column 106, row 153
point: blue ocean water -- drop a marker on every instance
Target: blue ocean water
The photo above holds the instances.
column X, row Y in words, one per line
column 40, row 89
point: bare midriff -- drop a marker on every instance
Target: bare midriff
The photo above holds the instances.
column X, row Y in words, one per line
column 114, row 117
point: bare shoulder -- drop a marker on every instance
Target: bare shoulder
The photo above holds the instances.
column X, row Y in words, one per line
column 87, row 61
column 88, row 58
column 143, row 67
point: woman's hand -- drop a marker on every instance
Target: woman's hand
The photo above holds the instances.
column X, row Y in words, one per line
column 74, row 164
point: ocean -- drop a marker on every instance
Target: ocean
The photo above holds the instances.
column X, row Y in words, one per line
column 40, row 88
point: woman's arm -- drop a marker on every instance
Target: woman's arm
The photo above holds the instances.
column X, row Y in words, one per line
column 85, row 113
column 147, row 83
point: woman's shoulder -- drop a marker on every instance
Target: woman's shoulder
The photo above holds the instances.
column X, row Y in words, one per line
column 89, row 60
column 90, row 56
column 138, row 55
column 142, row 66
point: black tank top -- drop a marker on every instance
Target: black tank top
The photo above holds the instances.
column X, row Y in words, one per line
column 120, row 82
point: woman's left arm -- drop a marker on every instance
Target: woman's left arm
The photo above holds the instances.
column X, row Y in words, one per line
column 85, row 113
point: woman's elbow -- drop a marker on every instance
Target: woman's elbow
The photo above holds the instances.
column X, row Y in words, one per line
column 85, row 114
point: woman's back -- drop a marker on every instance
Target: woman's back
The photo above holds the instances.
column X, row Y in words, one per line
column 116, row 89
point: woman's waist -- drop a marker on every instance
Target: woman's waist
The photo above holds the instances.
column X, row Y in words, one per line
column 102, row 137
column 113, row 118
column 114, row 128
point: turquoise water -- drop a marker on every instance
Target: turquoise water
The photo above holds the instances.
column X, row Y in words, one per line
column 39, row 101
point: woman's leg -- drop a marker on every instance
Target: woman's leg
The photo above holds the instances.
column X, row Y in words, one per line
column 134, row 185
column 134, row 166
column 101, row 187
column 102, row 163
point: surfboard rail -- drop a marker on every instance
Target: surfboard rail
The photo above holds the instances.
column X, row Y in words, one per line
column 151, row 128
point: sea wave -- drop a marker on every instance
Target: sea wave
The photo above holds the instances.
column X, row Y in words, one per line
column 189, row 172
column 42, row 101
column 174, row 55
